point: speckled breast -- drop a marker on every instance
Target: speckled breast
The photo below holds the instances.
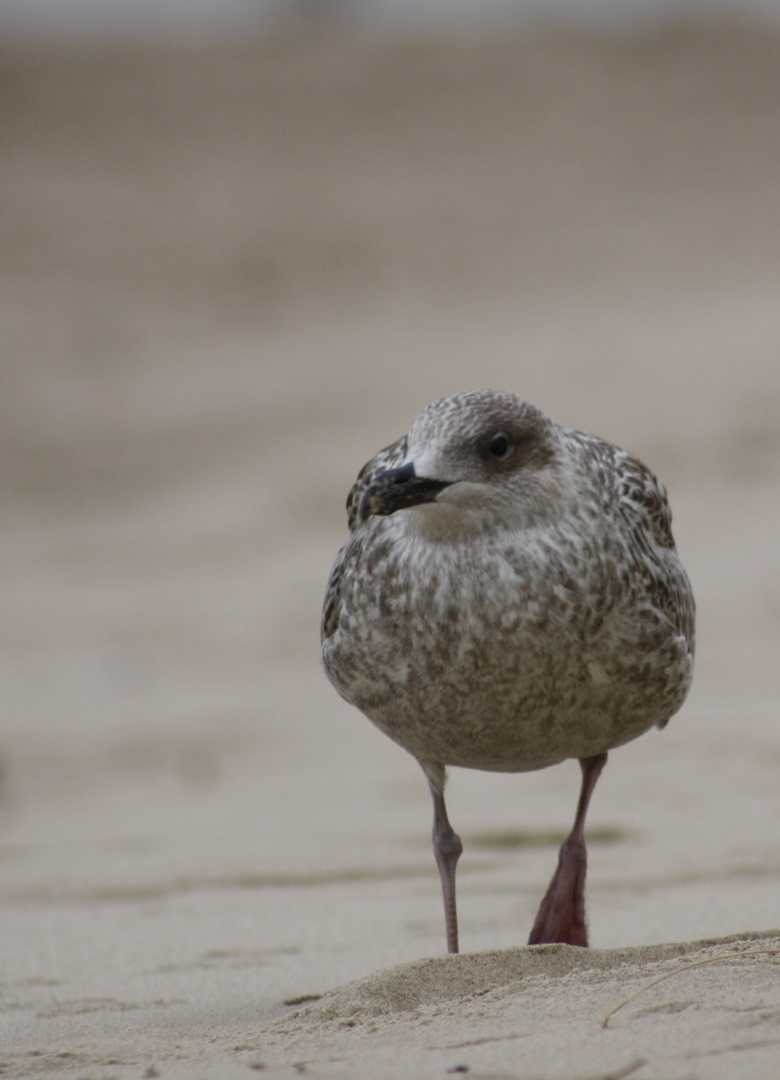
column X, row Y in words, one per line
column 501, row 657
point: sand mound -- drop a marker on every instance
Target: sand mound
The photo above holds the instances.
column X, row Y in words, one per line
column 444, row 980
column 543, row 1009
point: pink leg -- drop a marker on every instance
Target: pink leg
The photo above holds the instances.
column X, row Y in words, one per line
column 561, row 917
column 447, row 849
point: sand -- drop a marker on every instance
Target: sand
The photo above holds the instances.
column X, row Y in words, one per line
column 230, row 272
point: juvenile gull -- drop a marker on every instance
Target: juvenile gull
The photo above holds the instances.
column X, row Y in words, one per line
column 509, row 597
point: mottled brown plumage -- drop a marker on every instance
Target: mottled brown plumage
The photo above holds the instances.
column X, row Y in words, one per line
column 510, row 596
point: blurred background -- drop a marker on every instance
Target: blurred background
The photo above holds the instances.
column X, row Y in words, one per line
column 243, row 244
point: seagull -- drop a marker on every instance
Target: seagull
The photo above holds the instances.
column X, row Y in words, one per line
column 509, row 597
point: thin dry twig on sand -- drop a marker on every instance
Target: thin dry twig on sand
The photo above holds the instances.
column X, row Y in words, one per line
column 636, row 1064
column 686, row 967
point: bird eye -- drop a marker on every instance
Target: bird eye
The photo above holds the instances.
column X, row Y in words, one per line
column 499, row 446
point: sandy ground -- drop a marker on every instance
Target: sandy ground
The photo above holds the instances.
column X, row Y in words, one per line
column 230, row 272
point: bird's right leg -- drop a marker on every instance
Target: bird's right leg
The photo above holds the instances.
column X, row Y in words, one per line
column 447, row 849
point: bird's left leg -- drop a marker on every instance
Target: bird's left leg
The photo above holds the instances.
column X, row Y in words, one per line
column 447, row 850
column 561, row 917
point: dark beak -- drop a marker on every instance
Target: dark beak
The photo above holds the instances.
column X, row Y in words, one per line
column 398, row 489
